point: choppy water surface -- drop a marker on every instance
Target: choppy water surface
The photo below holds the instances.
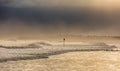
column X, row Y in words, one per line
column 74, row 61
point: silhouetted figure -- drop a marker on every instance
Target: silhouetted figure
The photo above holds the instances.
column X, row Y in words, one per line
column 63, row 41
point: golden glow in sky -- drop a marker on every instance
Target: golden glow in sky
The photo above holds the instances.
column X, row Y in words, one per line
column 106, row 3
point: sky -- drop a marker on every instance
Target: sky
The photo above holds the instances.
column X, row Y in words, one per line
column 54, row 17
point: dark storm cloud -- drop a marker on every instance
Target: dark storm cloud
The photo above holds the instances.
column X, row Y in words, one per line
column 4, row 1
column 65, row 19
column 84, row 18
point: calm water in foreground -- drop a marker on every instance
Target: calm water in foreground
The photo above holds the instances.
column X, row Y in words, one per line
column 74, row 61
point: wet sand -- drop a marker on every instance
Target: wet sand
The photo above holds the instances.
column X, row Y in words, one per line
column 73, row 61
column 18, row 53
